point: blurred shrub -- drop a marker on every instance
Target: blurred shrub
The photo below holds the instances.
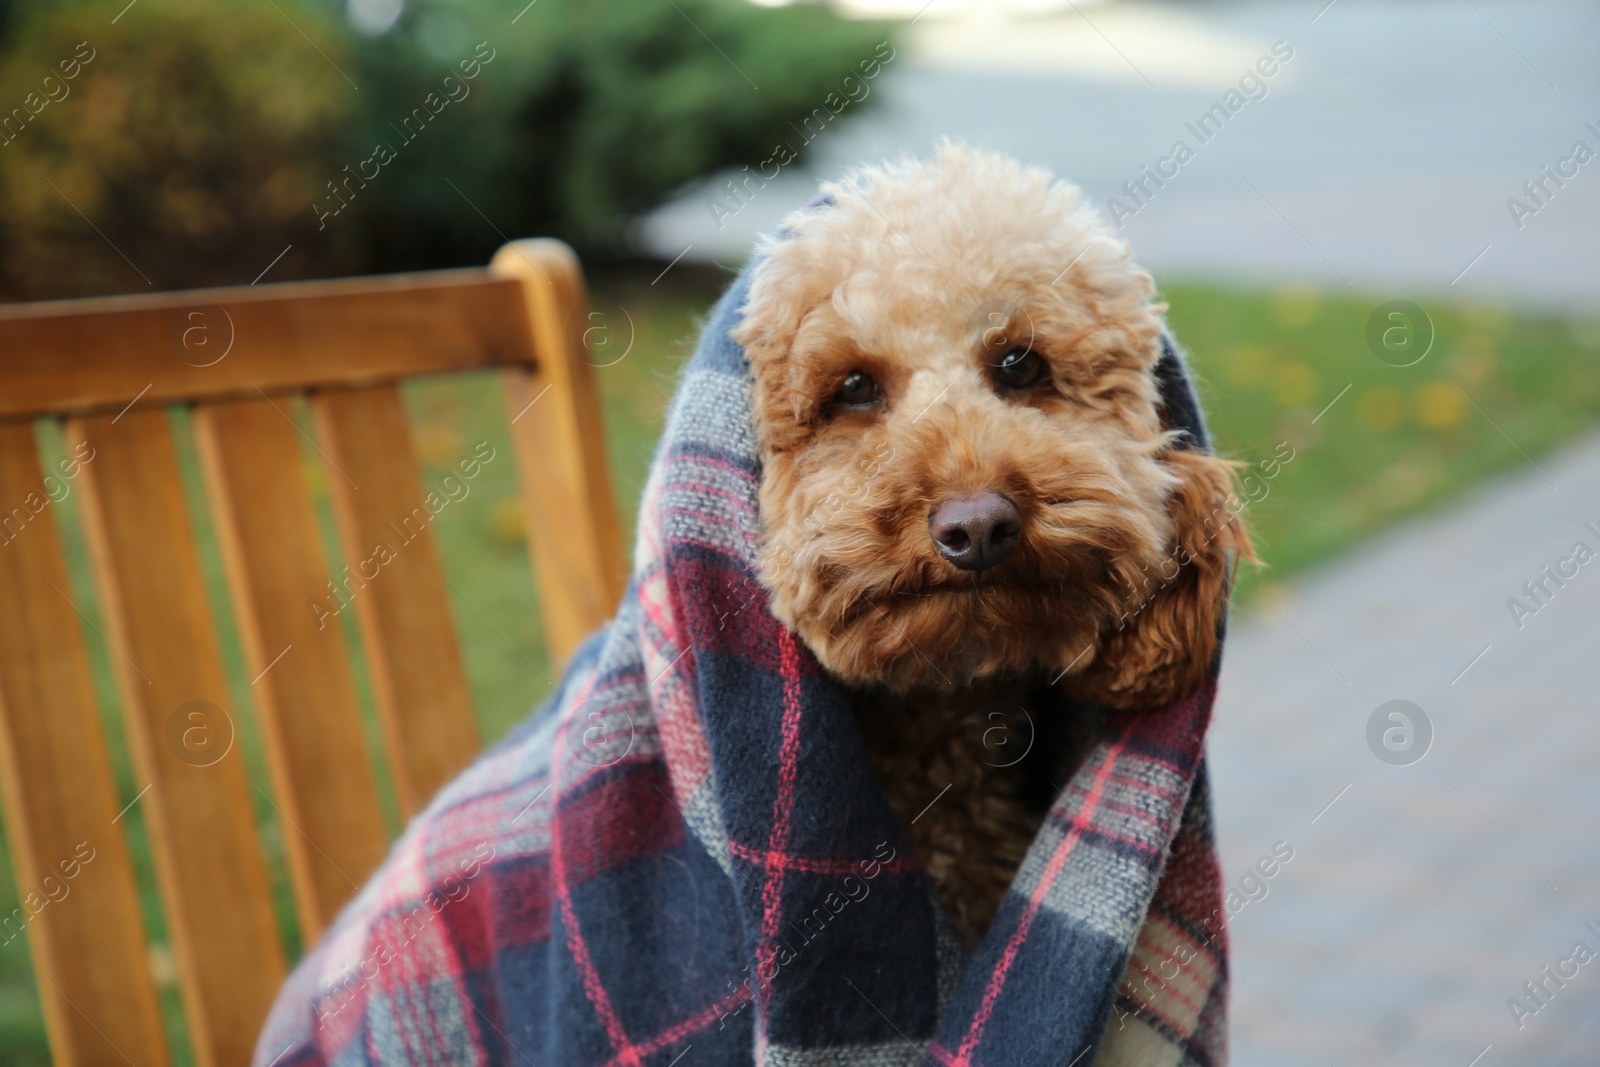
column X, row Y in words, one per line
column 191, row 136
column 589, row 112
column 200, row 139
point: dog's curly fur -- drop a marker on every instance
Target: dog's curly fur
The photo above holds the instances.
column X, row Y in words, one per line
column 923, row 275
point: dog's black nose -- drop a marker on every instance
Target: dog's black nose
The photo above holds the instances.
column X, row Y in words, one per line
column 975, row 531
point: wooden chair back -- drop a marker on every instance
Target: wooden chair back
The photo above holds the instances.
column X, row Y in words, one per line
column 239, row 359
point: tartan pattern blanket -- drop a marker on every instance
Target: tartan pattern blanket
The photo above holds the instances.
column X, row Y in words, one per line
column 685, row 855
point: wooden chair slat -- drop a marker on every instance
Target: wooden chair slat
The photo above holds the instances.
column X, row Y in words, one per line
column 112, row 367
column 208, row 860
column 572, row 526
column 395, row 583
column 88, row 945
column 322, row 777
column 77, row 356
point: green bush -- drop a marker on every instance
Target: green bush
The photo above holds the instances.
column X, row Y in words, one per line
column 588, row 114
column 198, row 140
column 190, row 136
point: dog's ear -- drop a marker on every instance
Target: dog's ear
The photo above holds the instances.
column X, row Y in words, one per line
column 1162, row 646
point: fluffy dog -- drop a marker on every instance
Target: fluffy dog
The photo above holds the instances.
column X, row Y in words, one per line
column 975, row 512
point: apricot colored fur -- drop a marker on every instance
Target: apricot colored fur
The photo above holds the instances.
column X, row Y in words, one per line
column 923, row 274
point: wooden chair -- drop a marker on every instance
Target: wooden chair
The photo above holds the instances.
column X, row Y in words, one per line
column 238, row 358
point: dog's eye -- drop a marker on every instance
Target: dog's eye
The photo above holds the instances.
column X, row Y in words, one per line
column 1019, row 368
column 858, row 390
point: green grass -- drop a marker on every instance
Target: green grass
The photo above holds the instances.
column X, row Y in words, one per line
column 1398, row 441
column 1495, row 391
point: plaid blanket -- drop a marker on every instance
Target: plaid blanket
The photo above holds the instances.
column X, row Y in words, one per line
column 685, row 856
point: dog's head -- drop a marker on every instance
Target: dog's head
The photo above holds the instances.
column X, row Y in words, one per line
column 965, row 467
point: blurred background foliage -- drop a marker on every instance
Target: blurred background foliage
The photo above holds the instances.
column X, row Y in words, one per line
column 198, row 141
column 190, row 142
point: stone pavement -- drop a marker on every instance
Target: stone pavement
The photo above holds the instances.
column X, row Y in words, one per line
column 1422, row 897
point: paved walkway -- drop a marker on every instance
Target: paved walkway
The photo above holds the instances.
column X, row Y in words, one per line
column 1381, row 155
column 1421, row 897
